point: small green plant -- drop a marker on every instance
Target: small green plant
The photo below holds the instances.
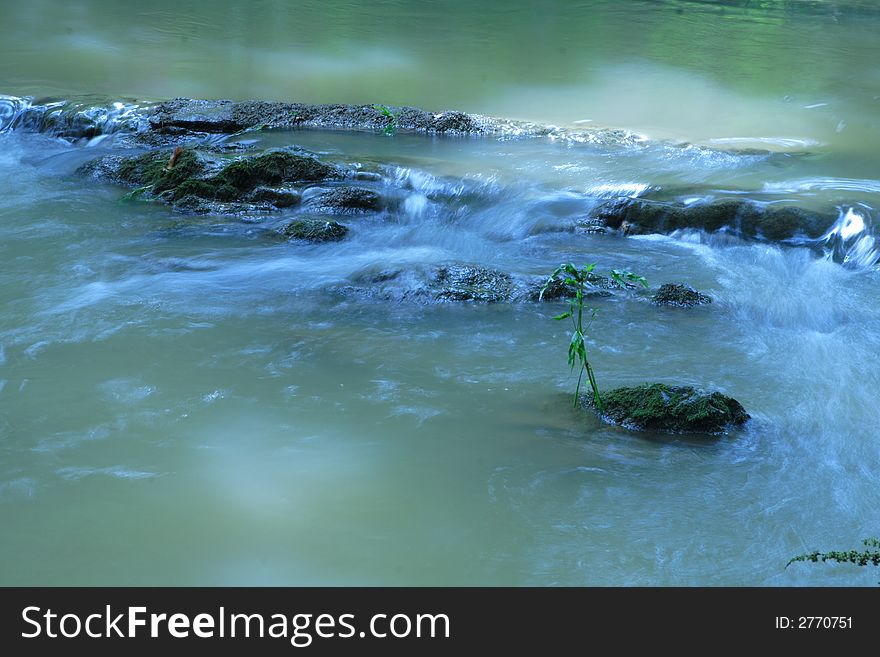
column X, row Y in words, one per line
column 579, row 280
column 870, row 555
column 391, row 125
column 136, row 194
column 626, row 279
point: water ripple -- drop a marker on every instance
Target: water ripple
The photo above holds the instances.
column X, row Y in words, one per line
column 823, row 184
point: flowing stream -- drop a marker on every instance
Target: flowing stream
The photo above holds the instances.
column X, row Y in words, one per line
column 188, row 400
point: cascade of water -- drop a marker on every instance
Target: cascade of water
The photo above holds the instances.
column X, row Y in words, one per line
column 850, row 241
column 11, row 109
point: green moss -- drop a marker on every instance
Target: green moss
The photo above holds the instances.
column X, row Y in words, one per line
column 229, row 184
column 271, row 169
column 152, row 169
column 660, row 407
column 195, row 187
column 225, row 192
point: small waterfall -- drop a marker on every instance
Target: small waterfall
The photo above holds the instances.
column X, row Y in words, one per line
column 11, row 110
column 71, row 119
column 850, row 241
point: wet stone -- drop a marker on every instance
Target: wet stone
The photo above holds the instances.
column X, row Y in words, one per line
column 679, row 295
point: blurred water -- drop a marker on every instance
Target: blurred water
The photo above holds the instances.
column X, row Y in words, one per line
column 191, row 401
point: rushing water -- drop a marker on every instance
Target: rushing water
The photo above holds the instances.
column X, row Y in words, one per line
column 190, row 401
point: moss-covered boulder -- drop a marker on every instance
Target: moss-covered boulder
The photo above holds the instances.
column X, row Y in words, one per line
column 314, row 230
column 174, row 175
column 680, row 296
column 671, row 409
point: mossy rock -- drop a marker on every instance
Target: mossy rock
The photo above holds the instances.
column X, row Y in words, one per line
column 349, row 200
column 151, row 169
column 680, row 296
column 188, row 176
column 271, row 169
column 315, row 230
column 670, row 409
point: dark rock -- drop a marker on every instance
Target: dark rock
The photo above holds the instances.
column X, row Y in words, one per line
column 466, row 283
column 679, row 295
column 743, row 217
column 104, row 169
column 460, row 283
column 280, row 198
column 348, row 199
column 454, row 122
column 378, row 275
column 195, row 116
column 315, row 230
column 597, row 286
column 224, row 116
column 191, row 204
column 670, row 409
column 592, row 226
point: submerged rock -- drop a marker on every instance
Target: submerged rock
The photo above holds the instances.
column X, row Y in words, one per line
column 743, row 217
column 466, row 283
column 462, row 283
column 591, row 226
column 348, row 200
column 680, row 296
column 314, row 230
column 670, row 409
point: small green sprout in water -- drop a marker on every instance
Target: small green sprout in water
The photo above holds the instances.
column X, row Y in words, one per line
column 870, row 555
column 570, row 277
column 626, row 279
column 391, row 126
